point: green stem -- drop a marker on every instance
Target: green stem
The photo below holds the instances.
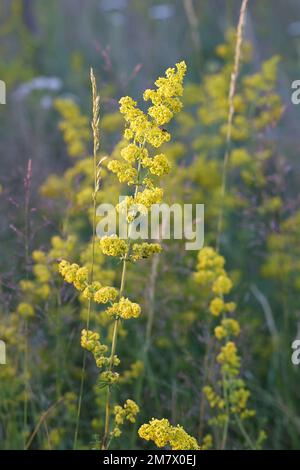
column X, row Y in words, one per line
column 89, row 302
column 111, row 361
column 26, row 370
column 245, row 434
column 115, row 330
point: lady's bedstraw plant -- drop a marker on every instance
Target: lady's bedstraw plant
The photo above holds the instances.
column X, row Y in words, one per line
column 230, row 396
column 139, row 170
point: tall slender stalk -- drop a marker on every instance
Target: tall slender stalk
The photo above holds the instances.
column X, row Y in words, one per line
column 113, row 350
column 96, row 172
column 147, row 338
column 115, row 328
column 232, row 90
column 27, row 181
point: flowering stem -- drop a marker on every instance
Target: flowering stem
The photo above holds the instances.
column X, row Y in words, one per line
column 27, row 182
column 111, row 362
column 116, row 324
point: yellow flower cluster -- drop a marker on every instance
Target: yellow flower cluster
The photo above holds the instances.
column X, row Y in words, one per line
column 144, row 250
column 113, row 246
column 238, row 400
column 210, row 270
column 217, row 306
column 90, row 342
column 78, row 276
column 73, row 274
column 25, row 310
column 126, row 413
column 228, row 327
column 141, row 129
column 90, row 290
column 233, row 395
column 124, row 171
column 148, row 197
column 133, row 153
column 105, row 295
column 142, row 202
column 165, row 99
column 229, row 360
column 159, row 165
column 74, row 126
column 124, row 309
column 108, row 377
column 215, row 401
column 162, row 433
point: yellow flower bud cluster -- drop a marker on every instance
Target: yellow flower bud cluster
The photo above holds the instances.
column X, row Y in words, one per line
column 74, row 126
column 165, row 99
column 141, row 129
column 229, row 395
column 90, row 342
column 113, row 246
column 148, row 197
column 228, row 327
column 105, row 294
column 78, row 276
column 215, row 401
column 238, row 400
column 124, row 309
column 142, row 202
column 73, row 274
column 108, row 377
column 124, row 171
column 144, row 250
column 126, row 413
column 133, row 153
column 90, row 290
column 162, row 433
column 159, row 165
column 25, row 310
column 210, row 271
column 229, row 359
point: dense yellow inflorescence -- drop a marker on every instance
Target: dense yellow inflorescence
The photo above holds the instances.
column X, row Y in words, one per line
column 127, row 412
column 232, row 396
column 136, row 168
column 163, row 434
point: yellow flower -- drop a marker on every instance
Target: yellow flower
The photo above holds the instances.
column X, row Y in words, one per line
column 125, row 309
column 228, row 327
column 105, row 294
column 161, row 432
column 124, row 171
column 127, row 412
column 160, row 165
column 25, row 310
column 90, row 290
column 222, row 285
column 132, row 153
column 113, row 246
column 216, row 306
column 148, row 197
column 228, row 358
column 144, row 250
